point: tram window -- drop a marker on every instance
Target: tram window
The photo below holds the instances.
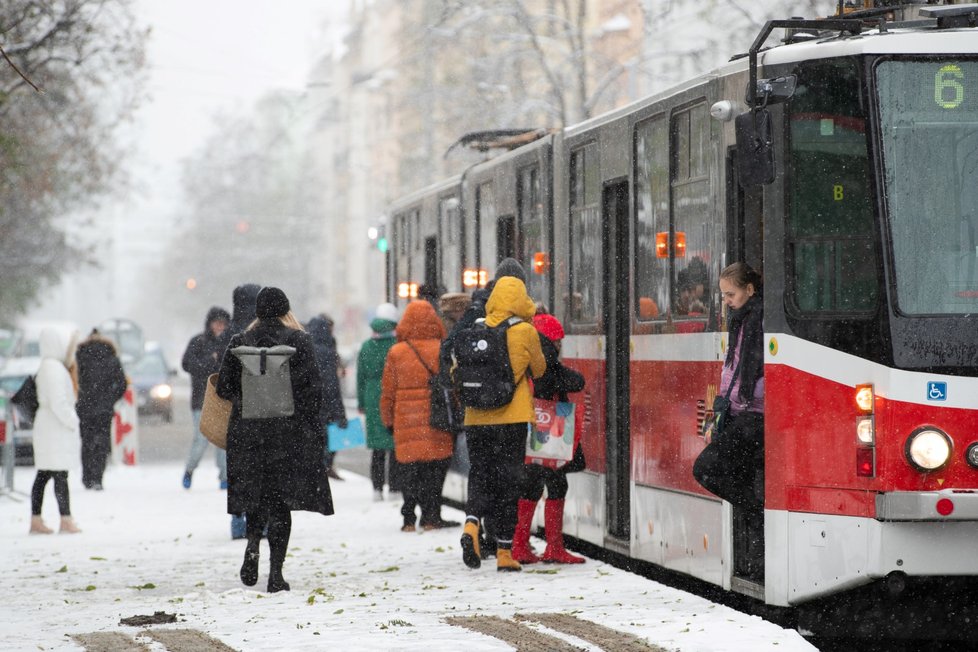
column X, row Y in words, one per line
column 832, row 259
column 693, row 230
column 486, row 214
column 651, row 217
column 416, row 230
column 929, row 126
column 585, row 235
column 532, row 234
column 451, row 262
column 402, row 235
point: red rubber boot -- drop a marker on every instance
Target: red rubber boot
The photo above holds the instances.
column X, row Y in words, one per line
column 522, row 552
column 553, row 521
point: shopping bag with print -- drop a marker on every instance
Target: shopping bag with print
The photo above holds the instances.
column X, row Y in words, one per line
column 550, row 441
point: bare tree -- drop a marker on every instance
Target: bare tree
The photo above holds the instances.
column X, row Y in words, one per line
column 70, row 76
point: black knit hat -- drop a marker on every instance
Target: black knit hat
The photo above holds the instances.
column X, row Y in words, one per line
column 271, row 302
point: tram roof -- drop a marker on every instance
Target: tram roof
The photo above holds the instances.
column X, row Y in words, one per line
column 917, row 39
column 433, row 189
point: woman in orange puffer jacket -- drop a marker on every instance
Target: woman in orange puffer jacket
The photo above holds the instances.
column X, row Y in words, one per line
column 422, row 452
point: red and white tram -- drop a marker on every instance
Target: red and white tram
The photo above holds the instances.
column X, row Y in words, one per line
column 849, row 178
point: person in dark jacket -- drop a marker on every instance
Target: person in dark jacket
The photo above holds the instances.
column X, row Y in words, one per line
column 243, row 300
column 201, row 359
column 275, row 465
column 320, row 330
column 101, row 383
column 556, row 382
column 370, row 370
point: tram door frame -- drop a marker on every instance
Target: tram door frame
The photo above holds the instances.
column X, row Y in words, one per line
column 616, row 319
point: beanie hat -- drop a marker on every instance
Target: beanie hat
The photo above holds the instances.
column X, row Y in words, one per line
column 549, row 326
column 271, row 302
column 510, row 267
column 387, row 312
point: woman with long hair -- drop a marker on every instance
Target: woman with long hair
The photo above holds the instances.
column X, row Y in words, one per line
column 275, row 464
column 732, row 464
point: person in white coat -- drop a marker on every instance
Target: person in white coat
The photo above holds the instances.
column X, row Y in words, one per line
column 57, row 439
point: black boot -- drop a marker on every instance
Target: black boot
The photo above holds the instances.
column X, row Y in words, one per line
column 249, row 567
column 276, row 582
column 279, row 531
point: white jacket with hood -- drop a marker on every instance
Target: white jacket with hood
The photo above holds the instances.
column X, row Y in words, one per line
column 57, row 440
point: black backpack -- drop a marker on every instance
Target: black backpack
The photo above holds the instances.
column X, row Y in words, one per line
column 483, row 374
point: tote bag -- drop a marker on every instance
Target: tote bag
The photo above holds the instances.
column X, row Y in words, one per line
column 214, row 415
column 550, row 441
column 352, row 436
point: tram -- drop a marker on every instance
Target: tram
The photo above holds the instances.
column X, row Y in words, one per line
column 842, row 163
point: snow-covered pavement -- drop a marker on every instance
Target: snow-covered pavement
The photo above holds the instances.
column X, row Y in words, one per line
column 358, row 583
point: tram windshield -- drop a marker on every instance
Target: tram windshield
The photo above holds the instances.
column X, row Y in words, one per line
column 929, row 128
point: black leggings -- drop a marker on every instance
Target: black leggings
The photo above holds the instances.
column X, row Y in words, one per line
column 60, row 491
column 536, row 477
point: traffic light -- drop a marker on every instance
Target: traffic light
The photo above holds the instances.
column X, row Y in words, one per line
column 379, row 236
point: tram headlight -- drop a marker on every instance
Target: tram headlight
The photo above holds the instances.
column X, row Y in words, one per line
column 866, row 430
column 928, row 449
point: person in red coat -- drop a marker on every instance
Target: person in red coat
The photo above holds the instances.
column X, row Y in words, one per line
column 422, row 452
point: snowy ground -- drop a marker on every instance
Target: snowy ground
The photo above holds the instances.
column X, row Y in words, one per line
column 358, row 583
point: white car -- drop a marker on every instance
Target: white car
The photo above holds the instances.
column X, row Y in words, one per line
column 13, row 374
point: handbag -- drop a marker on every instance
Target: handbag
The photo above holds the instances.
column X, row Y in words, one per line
column 214, row 415
column 715, row 424
column 26, row 400
column 721, row 411
column 442, row 414
column 353, row 436
column 550, row 440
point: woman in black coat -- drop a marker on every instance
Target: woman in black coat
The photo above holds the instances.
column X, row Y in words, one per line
column 101, row 383
column 275, row 465
column 324, row 344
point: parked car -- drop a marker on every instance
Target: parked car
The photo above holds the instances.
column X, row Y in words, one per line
column 151, row 378
column 13, row 374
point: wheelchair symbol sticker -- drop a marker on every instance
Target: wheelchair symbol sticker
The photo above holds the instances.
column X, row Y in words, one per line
column 936, row 391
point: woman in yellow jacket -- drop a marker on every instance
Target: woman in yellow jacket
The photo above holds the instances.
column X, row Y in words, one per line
column 496, row 438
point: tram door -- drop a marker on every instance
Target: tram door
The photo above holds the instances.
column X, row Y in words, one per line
column 616, row 320
column 745, row 242
column 432, row 268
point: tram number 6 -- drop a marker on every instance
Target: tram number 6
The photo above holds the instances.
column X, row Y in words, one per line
column 947, row 78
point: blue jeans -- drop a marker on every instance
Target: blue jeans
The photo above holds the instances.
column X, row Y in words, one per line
column 199, row 446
